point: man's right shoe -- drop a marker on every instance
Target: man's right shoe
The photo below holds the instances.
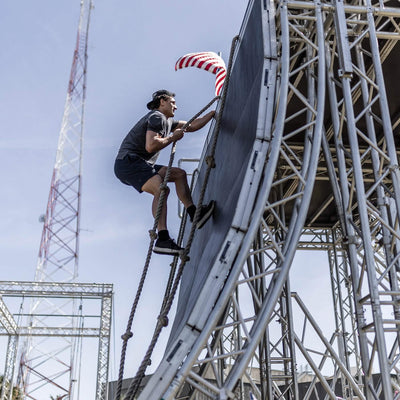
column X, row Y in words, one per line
column 205, row 214
column 168, row 247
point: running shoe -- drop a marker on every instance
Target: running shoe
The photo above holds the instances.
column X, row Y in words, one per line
column 168, row 247
column 205, row 214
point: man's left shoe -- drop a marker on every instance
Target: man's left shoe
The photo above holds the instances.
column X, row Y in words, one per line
column 168, row 247
column 205, row 214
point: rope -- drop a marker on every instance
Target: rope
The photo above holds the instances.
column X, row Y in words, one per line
column 175, row 260
column 134, row 386
column 128, row 333
column 179, row 241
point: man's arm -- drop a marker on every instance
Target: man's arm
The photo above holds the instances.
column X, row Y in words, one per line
column 155, row 142
column 198, row 123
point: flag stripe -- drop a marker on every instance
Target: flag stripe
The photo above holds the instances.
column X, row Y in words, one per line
column 207, row 60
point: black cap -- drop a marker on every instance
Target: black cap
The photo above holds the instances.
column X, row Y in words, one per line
column 154, row 103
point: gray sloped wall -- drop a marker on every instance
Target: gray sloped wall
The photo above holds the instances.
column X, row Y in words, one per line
column 235, row 142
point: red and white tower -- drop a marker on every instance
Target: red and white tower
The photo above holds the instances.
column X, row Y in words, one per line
column 44, row 362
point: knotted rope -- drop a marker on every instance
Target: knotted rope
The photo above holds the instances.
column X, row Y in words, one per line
column 163, row 317
column 153, row 235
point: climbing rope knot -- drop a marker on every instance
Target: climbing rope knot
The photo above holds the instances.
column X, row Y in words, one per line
column 153, row 234
column 127, row 335
column 163, row 320
column 210, row 160
column 184, row 257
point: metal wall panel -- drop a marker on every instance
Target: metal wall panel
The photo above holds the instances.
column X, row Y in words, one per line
column 235, row 142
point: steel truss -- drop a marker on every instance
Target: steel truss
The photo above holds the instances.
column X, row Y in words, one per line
column 100, row 325
column 248, row 336
column 59, row 246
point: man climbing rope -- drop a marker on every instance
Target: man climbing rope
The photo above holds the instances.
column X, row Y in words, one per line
column 135, row 163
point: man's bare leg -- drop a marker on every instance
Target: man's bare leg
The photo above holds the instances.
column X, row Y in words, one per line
column 178, row 176
column 152, row 186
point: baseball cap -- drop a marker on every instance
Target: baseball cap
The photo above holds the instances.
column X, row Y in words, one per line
column 156, row 96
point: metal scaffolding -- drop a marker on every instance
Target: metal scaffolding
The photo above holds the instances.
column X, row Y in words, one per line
column 99, row 327
column 327, row 179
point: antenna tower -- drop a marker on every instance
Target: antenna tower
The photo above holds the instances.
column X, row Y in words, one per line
column 45, row 363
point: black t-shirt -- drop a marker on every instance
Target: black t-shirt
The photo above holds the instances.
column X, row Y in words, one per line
column 135, row 141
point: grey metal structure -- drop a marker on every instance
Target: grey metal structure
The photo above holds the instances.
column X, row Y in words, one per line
column 99, row 326
column 10, row 327
column 321, row 173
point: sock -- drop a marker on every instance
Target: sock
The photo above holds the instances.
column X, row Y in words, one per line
column 191, row 210
column 163, row 235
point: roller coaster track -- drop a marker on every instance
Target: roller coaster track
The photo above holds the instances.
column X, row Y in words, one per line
column 321, row 172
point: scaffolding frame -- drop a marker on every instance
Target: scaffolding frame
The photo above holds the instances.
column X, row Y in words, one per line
column 51, row 291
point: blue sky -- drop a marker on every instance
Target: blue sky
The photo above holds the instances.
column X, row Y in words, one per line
column 133, row 47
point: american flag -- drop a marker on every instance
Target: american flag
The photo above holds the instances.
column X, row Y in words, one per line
column 207, row 60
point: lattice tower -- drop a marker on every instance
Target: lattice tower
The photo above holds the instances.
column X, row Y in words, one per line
column 46, row 362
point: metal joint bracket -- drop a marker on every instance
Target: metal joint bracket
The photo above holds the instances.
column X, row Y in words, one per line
column 344, row 74
column 360, row 315
column 381, row 202
column 194, row 328
column 352, row 240
column 271, row 58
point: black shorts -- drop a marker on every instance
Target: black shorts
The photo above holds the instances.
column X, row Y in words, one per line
column 134, row 171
